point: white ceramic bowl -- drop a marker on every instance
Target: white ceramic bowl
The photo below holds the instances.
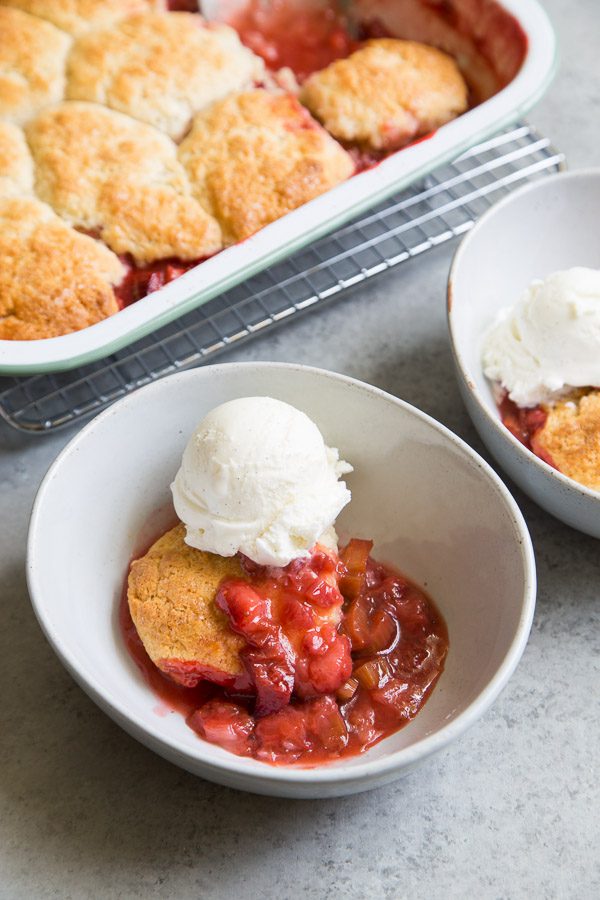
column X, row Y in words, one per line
column 546, row 226
column 433, row 507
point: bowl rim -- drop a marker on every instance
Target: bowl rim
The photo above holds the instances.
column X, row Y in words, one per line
column 336, row 772
column 466, row 375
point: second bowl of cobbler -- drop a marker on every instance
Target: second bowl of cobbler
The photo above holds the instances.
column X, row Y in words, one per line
column 524, row 319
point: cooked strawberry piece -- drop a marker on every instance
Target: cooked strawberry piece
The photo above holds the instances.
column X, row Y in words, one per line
column 271, row 668
column 521, row 422
column 315, row 579
column 417, row 616
column 361, row 720
column 172, row 272
column 325, row 664
column 389, row 591
column 316, row 640
column 323, row 563
column 282, row 735
column 324, row 594
column 269, row 660
column 248, row 612
column 399, row 700
column 189, row 673
column 330, row 670
column 155, row 282
column 295, row 615
column 226, row 724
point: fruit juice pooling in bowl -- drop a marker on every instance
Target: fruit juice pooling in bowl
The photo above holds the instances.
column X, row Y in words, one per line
column 247, row 618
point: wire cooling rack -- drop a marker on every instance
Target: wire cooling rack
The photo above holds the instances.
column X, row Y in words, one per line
column 445, row 205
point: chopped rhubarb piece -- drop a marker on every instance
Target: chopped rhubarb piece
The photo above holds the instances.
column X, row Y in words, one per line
column 385, row 631
column 326, row 725
column 373, row 674
column 354, row 559
column 356, row 624
column 347, row 690
column 226, row 724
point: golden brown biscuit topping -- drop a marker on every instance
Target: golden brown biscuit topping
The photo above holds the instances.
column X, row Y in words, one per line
column 77, row 16
column 53, row 280
column 171, row 592
column 102, row 171
column 32, row 64
column 571, row 437
column 161, row 68
column 387, row 93
column 255, row 156
column 16, row 165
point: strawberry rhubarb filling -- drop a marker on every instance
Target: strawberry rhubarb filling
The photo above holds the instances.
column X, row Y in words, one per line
column 340, row 653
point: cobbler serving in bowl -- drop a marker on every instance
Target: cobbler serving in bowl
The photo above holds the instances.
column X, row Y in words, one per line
column 359, row 644
column 543, row 357
column 249, row 620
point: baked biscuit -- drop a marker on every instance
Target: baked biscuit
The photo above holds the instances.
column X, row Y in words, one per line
column 570, row 437
column 16, row 165
column 53, row 279
column 255, row 156
column 161, row 68
column 115, row 176
column 386, row 94
column 77, row 16
column 171, row 592
column 32, row 64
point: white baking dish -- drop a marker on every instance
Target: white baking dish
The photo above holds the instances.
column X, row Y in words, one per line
column 327, row 212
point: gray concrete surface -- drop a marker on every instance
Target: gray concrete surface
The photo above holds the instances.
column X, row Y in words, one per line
column 509, row 811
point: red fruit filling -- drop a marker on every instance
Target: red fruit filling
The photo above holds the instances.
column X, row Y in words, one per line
column 332, row 670
column 139, row 281
column 524, row 423
column 285, row 34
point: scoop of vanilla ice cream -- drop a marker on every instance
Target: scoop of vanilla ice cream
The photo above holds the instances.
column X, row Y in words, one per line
column 257, row 477
column 550, row 340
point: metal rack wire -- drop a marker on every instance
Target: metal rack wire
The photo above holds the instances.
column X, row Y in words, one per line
column 446, row 205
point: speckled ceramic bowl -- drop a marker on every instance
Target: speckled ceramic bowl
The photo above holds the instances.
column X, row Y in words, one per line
column 544, row 227
column 432, row 506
